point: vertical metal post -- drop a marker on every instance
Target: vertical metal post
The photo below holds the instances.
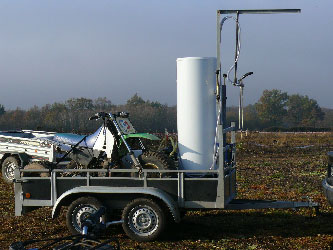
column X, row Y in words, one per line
column 218, row 67
column 240, row 111
column 233, row 181
column 242, row 96
column 220, row 185
column 18, row 193
column 237, row 32
column 233, row 142
column 218, row 47
column 233, row 133
column 88, row 179
column 224, row 112
column 221, row 103
column 181, row 201
column 53, row 187
column 145, row 184
column 51, row 156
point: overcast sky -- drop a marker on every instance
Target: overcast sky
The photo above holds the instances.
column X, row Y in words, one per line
column 54, row 50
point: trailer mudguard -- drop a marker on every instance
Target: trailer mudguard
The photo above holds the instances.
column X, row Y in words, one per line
column 24, row 158
column 157, row 193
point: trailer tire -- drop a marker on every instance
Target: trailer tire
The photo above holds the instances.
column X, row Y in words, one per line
column 143, row 220
column 8, row 167
column 36, row 165
column 79, row 210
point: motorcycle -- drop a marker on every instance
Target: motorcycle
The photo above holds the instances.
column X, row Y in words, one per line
column 115, row 145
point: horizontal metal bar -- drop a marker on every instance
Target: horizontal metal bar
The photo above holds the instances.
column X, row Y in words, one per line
column 180, row 171
column 263, row 11
column 34, row 170
column 101, row 178
column 117, row 171
column 116, row 222
column 39, row 203
column 167, row 178
column 262, row 204
column 200, row 204
column 199, row 179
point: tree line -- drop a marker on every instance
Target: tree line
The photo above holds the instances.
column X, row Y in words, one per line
column 274, row 109
column 73, row 115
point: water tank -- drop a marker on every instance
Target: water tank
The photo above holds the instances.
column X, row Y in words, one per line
column 196, row 111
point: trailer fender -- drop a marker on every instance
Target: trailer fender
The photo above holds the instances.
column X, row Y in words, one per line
column 3, row 156
column 24, row 158
column 154, row 192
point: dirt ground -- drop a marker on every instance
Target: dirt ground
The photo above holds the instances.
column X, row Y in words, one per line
column 277, row 166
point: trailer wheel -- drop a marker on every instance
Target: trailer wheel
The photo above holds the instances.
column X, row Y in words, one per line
column 79, row 210
column 143, row 220
column 158, row 161
column 36, row 165
column 8, row 167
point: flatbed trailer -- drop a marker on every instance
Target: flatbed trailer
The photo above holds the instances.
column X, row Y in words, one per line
column 173, row 192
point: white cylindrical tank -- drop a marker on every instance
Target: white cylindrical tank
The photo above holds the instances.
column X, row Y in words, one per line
column 196, row 111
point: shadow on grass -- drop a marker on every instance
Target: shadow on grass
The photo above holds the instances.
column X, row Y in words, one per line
column 242, row 225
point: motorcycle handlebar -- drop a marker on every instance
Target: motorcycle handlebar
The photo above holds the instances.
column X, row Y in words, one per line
column 98, row 115
column 104, row 115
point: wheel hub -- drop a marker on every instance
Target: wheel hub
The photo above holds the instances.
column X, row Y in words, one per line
column 82, row 213
column 144, row 221
column 10, row 170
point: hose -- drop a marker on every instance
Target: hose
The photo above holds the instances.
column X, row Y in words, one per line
column 238, row 45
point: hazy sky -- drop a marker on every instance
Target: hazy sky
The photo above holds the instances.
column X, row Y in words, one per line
column 54, row 50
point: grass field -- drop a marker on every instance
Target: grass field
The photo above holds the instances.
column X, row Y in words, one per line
column 270, row 166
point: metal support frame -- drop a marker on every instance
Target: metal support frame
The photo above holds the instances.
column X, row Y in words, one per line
column 218, row 43
column 225, row 179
